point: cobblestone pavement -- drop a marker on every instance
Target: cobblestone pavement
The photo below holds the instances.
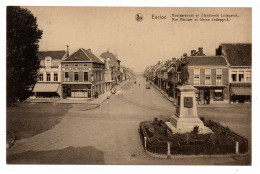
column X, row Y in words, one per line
column 112, row 129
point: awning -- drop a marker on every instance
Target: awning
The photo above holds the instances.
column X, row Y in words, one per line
column 42, row 87
column 241, row 91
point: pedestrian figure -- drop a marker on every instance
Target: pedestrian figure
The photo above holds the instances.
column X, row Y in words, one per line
column 207, row 99
column 139, row 84
column 96, row 94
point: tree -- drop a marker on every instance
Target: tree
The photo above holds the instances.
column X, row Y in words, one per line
column 23, row 37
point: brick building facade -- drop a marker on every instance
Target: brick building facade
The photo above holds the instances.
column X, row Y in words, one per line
column 82, row 75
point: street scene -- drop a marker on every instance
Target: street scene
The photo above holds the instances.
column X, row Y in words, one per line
column 155, row 86
column 94, row 131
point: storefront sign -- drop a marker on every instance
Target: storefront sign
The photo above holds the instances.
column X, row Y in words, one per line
column 218, row 90
column 75, row 68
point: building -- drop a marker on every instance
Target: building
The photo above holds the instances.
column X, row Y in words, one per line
column 108, row 75
column 198, row 53
column 49, row 74
column 239, row 57
column 170, row 77
column 127, row 73
column 158, row 73
column 114, row 67
column 209, row 75
column 82, row 75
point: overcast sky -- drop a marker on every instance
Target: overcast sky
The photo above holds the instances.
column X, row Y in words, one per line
column 138, row 44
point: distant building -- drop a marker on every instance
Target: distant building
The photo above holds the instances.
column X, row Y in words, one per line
column 209, row 75
column 198, row 53
column 108, row 75
column 239, row 57
column 49, row 74
column 114, row 65
column 82, row 74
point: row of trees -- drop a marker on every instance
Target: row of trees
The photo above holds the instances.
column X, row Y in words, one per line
column 23, row 38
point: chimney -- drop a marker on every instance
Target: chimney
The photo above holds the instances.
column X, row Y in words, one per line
column 192, row 52
column 174, row 60
column 89, row 50
column 67, row 50
column 200, row 49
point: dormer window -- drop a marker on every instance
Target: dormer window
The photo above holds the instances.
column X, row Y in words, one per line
column 47, row 61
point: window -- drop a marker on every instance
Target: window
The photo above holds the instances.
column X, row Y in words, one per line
column 207, row 71
column 207, row 80
column 76, row 65
column 66, row 65
column 197, row 71
column 248, row 76
column 40, row 77
column 48, row 77
column 85, row 76
column 196, row 76
column 55, row 77
column 219, row 80
column 76, row 76
column 66, row 76
column 196, row 80
column 47, row 61
column 219, row 71
column 241, row 76
column 165, row 75
column 218, row 95
column 85, row 65
column 234, row 76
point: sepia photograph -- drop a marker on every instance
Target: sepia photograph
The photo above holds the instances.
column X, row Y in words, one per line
column 97, row 85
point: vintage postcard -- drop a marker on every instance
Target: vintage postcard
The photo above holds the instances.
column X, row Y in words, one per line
column 129, row 85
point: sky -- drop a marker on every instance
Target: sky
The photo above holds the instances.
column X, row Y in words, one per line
column 139, row 44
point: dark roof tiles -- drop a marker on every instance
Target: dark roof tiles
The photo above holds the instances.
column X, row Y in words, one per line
column 111, row 56
column 84, row 55
column 238, row 54
column 53, row 54
column 206, row 61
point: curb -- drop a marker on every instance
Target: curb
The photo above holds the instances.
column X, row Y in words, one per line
column 165, row 96
column 164, row 156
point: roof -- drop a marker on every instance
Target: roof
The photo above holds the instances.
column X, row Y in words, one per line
column 238, row 54
column 198, row 54
column 160, row 65
column 111, row 56
column 53, row 54
column 83, row 55
column 206, row 61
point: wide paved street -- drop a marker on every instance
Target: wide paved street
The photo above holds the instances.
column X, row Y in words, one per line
column 109, row 133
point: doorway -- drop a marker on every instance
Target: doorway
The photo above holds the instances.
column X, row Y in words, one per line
column 206, row 96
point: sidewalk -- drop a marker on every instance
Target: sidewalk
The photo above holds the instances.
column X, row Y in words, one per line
column 213, row 105
column 171, row 99
column 101, row 98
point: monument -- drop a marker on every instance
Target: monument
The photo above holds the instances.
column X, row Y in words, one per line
column 186, row 116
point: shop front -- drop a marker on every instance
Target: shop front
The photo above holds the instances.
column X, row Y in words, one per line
column 47, row 90
column 77, row 90
column 240, row 93
column 212, row 94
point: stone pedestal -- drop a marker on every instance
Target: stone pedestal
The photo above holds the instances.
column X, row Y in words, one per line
column 186, row 116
